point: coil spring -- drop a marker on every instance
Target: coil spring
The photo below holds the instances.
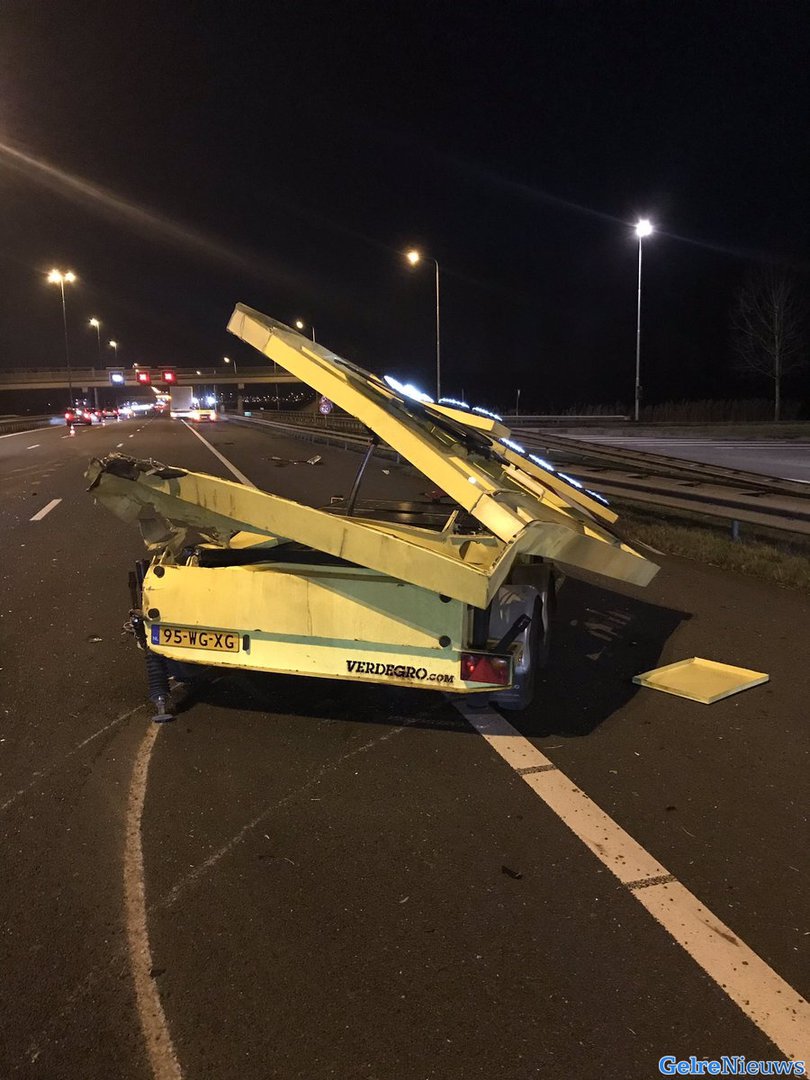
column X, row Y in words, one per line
column 157, row 680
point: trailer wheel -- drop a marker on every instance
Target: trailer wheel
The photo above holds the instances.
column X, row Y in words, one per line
column 535, row 650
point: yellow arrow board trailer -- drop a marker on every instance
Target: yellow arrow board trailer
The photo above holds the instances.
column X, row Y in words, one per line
column 244, row 579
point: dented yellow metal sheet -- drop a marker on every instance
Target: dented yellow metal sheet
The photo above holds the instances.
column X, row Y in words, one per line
column 453, row 448
column 460, row 567
column 525, row 509
column 167, row 502
column 701, row 680
column 513, row 497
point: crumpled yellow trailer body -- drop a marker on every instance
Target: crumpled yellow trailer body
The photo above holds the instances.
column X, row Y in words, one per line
column 242, row 578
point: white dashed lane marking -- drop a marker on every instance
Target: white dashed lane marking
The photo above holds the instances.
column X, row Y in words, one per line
column 33, row 446
column 45, row 510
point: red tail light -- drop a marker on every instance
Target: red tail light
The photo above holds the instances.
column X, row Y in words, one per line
column 486, row 668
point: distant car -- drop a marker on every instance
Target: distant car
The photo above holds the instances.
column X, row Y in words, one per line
column 78, row 416
column 196, row 415
column 109, row 414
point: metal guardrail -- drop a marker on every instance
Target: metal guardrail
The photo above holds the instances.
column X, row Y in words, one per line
column 576, row 450
column 676, row 484
column 561, row 419
column 347, row 439
column 296, row 418
column 24, row 423
column 672, row 484
column 332, row 420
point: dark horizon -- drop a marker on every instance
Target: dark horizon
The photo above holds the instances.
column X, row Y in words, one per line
column 287, row 159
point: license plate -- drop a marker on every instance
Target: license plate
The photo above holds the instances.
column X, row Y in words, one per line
column 210, row 640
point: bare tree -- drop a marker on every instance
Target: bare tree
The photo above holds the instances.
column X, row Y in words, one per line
column 768, row 322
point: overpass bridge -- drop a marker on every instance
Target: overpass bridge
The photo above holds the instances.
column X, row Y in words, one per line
column 85, row 379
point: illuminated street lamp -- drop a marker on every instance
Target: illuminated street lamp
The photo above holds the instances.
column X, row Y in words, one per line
column 94, row 322
column 300, row 324
column 228, row 360
column 97, row 325
column 114, row 346
column 414, row 257
column 643, row 228
column 56, row 277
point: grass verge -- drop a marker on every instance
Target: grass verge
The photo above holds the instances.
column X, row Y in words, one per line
column 784, row 562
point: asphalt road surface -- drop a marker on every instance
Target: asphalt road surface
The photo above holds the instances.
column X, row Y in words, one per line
column 787, row 460
column 308, row 879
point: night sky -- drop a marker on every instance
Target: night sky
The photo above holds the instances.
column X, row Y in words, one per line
column 286, row 154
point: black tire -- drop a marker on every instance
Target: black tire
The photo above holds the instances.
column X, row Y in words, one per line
column 538, row 646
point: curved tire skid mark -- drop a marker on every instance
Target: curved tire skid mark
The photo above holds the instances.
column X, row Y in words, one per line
column 193, row 876
column 40, row 774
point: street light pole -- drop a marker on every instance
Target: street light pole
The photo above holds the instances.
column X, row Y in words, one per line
column 643, row 228
column 94, row 322
column 67, row 343
column 97, row 324
column 414, row 257
column 299, row 325
column 58, row 278
column 438, row 339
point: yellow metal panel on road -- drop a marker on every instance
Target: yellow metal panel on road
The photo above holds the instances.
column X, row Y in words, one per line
column 701, row 680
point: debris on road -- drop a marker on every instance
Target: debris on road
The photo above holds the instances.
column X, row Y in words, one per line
column 280, row 462
column 515, row 875
column 701, row 680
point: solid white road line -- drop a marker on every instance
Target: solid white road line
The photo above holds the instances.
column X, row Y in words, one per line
column 45, row 510
column 765, row 998
column 240, row 476
column 160, row 1049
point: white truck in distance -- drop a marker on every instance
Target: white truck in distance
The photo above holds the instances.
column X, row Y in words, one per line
column 184, row 406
